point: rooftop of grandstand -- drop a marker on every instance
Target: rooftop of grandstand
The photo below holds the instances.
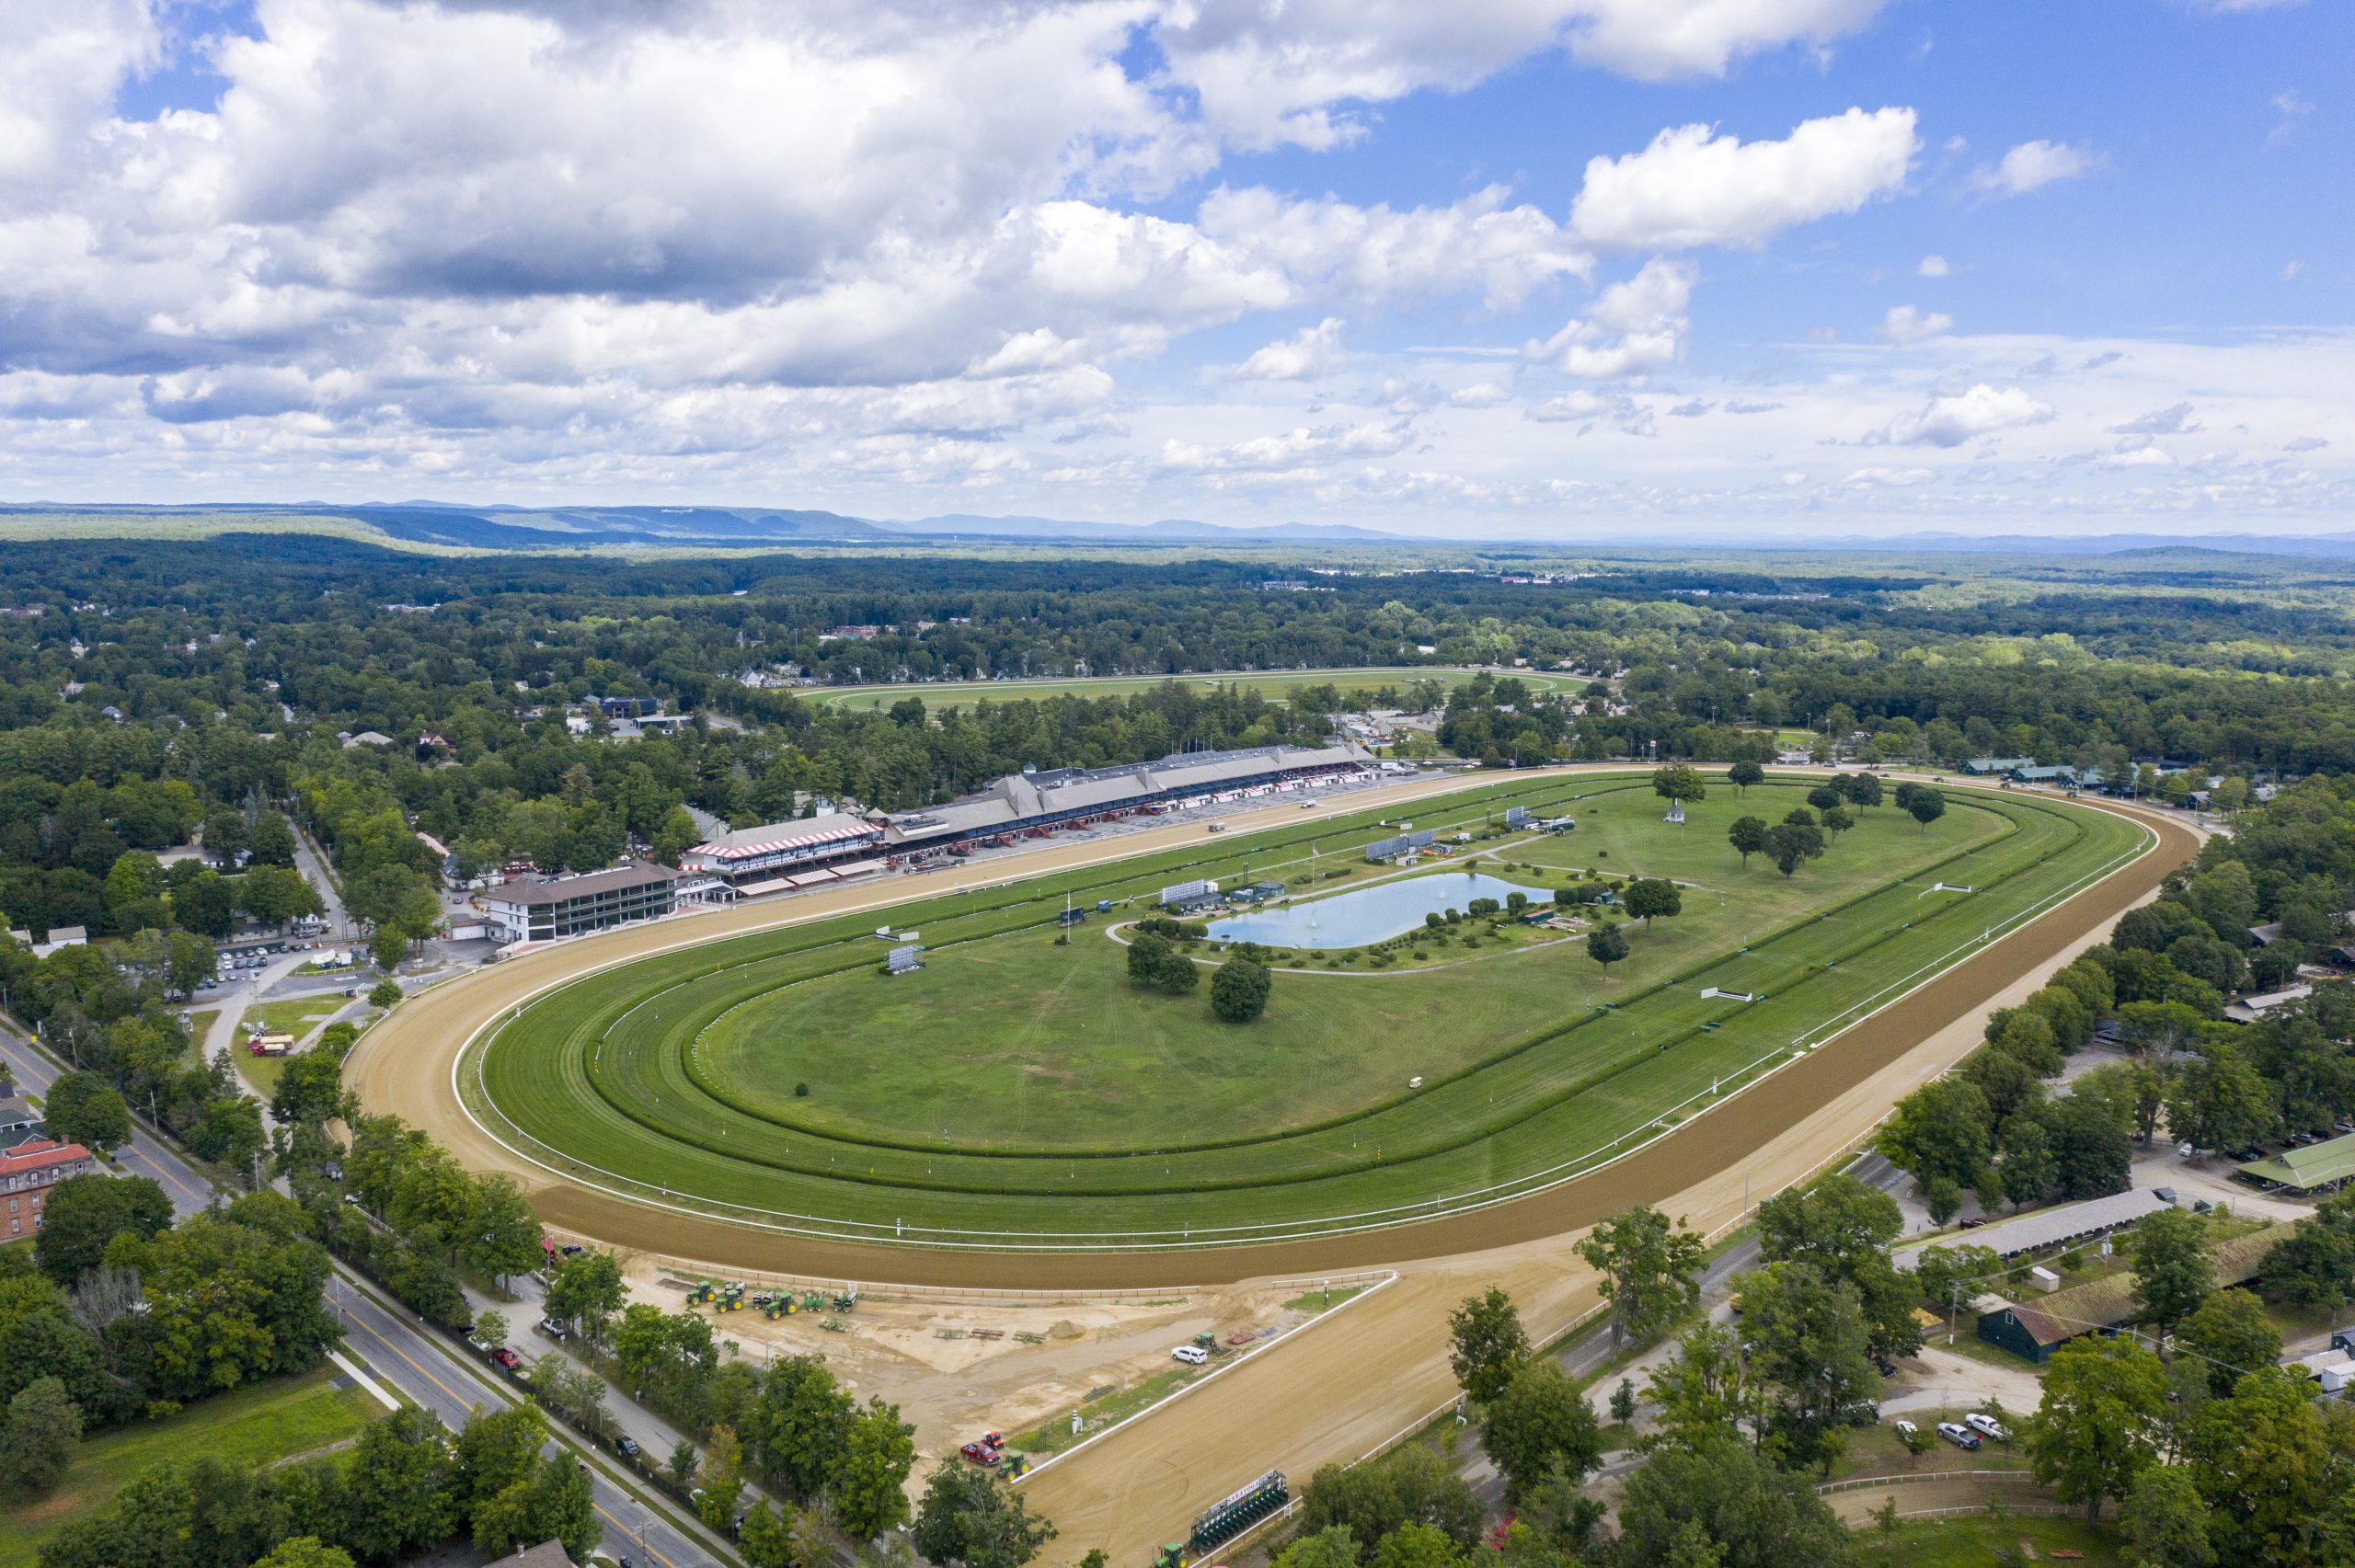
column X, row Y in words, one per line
column 1020, row 798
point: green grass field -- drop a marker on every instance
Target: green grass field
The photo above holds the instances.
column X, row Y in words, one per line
column 252, row 1427
column 1014, row 1085
column 943, row 695
column 1973, row 1541
column 298, row 1017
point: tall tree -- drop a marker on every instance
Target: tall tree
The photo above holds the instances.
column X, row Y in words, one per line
column 868, row 1487
column 1650, row 1268
column 2175, row 1268
column 1749, row 836
column 37, row 1438
column 2165, row 1522
column 403, row 1485
column 1652, row 897
column 2099, row 1423
column 1725, row 1498
column 2229, row 1335
column 84, row 1108
column 1540, row 1423
column 83, row 1213
column 1488, row 1344
column 1239, row 989
column 972, row 1518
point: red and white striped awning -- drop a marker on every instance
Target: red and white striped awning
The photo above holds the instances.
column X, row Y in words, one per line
column 799, row 841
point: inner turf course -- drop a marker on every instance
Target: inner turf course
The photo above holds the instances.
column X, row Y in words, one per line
column 1017, row 1093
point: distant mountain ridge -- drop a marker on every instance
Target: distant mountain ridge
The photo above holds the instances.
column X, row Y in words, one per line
column 506, row 527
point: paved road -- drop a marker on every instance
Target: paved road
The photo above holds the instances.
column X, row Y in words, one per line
column 146, row 1155
column 308, row 861
column 653, row 1434
column 410, row 1358
column 403, row 1355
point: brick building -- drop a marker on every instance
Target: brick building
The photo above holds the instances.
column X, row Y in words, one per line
column 30, row 1169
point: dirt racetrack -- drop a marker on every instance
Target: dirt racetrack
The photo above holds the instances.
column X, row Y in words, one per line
column 1333, row 1393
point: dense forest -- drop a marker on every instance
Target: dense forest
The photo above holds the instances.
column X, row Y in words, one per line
column 151, row 695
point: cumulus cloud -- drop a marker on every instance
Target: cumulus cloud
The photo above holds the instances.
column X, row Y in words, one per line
column 1657, row 40
column 1589, row 409
column 2135, row 455
column 1481, row 243
column 1634, row 326
column 1933, row 267
column 1301, row 447
column 1950, row 420
column 1690, row 188
column 2032, row 165
column 1299, row 73
column 2305, row 443
column 1480, row 395
column 2173, row 420
column 1311, row 352
column 1905, row 325
column 1887, row 478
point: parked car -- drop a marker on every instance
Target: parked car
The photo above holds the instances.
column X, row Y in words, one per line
column 1961, row 1437
column 551, row 1328
column 1907, row 1430
column 1988, row 1426
column 625, row 1446
column 979, row 1453
column 506, row 1360
column 1192, row 1355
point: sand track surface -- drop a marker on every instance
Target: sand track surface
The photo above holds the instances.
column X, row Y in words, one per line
column 1332, row 1393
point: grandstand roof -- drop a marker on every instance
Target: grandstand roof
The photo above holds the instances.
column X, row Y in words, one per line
column 1022, row 797
column 767, row 839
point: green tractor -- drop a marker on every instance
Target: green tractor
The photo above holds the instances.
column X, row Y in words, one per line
column 701, row 1293
column 1170, row 1556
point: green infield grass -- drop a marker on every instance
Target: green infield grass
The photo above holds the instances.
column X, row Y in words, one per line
column 1018, row 1088
column 939, row 696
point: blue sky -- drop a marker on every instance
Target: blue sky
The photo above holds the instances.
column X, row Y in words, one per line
column 1557, row 268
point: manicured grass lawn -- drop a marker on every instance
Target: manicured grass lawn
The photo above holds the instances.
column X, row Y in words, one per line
column 1027, row 1045
column 294, row 1017
column 298, row 1017
column 1971, row 1541
column 1874, row 1450
column 1276, row 684
column 1071, row 1104
column 250, row 1428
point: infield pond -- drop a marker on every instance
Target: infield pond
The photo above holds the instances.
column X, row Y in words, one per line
column 1369, row 914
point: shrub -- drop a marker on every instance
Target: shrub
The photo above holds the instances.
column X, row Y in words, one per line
column 802, row 1091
